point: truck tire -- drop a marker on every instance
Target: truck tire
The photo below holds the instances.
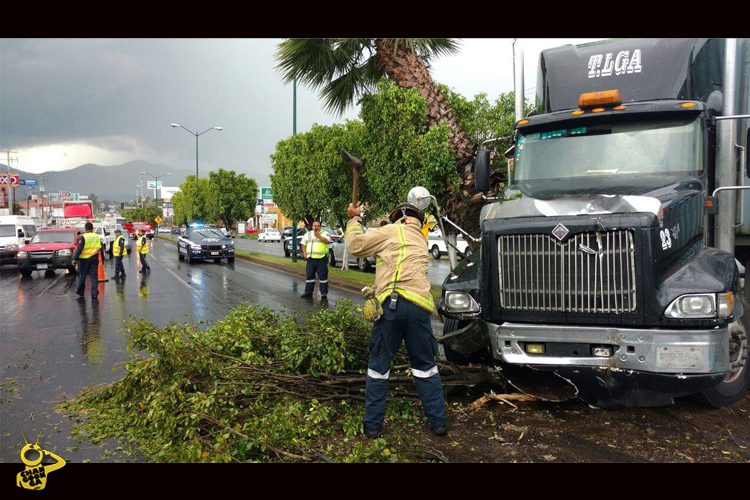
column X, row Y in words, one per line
column 25, row 272
column 287, row 252
column 451, row 325
column 435, row 252
column 734, row 386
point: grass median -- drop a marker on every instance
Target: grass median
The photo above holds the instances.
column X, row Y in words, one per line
column 353, row 280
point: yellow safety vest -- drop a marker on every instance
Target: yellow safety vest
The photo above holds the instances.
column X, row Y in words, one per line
column 318, row 249
column 413, row 297
column 142, row 245
column 92, row 245
column 116, row 249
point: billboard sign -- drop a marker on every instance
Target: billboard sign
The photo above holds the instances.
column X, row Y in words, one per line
column 153, row 184
column 167, row 192
column 266, row 193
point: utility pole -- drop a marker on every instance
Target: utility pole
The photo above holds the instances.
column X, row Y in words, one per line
column 294, row 132
column 9, row 189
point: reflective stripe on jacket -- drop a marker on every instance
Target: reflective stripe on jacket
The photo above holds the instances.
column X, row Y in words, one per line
column 142, row 246
column 92, row 245
column 401, row 256
column 116, row 248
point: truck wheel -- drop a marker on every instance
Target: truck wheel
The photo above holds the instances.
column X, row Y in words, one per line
column 25, row 272
column 733, row 388
column 287, row 252
column 332, row 260
column 435, row 251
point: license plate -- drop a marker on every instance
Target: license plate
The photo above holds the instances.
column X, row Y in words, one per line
column 41, row 266
column 681, row 357
column 214, row 253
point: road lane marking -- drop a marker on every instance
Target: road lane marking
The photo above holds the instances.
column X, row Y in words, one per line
column 50, row 285
column 178, row 278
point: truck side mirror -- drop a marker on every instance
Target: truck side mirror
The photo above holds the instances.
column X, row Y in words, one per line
column 482, row 170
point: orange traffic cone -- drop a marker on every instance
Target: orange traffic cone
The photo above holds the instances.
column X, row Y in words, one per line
column 101, row 268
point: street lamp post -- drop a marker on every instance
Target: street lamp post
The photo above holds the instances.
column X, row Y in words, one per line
column 174, row 125
column 156, row 184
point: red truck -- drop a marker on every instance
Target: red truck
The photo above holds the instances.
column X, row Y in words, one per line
column 50, row 249
column 76, row 213
column 134, row 227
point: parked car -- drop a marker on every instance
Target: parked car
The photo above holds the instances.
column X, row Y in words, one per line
column 111, row 228
column 49, row 249
column 437, row 246
column 200, row 243
column 269, row 235
column 15, row 231
column 288, row 240
column 336, row 255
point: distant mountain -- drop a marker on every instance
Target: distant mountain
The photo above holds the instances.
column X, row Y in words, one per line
column 113, row 183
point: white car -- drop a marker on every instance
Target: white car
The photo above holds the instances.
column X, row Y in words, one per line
column 111, row 229
column 437, row 247
column 269, row 235
column 106, row 236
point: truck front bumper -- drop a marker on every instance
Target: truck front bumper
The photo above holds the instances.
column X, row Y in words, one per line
column 677, row 352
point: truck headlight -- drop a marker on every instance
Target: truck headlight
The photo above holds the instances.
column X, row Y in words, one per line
column 65, row 252
column 195, row 248
column 12, row 247
column 460, row 302
column 21, row 255
column 701, row 305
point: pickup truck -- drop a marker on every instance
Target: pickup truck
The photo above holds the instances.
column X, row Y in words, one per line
column 49, row 249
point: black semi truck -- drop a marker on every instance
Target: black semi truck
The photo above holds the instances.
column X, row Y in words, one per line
column 616, row 257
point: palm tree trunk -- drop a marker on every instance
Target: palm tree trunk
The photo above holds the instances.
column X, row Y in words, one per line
column 406, row 69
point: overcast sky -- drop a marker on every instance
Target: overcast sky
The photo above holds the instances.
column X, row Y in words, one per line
column 67, row 102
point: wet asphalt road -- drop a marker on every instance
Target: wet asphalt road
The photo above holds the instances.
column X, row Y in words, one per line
column 53, row 345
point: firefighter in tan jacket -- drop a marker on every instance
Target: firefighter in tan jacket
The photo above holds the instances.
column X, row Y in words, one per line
column 403, row 288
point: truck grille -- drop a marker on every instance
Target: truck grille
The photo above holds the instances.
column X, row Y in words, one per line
column 210, row 248
column 538, row 273
column 41, row 254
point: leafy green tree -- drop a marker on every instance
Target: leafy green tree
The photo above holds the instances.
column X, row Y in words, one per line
column 401, row 150
column 145, row 214
column 192, row 201
column 231, row 197
column 348, row 68
column 311, row 180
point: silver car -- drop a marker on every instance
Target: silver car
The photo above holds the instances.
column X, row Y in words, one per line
column 336, row 255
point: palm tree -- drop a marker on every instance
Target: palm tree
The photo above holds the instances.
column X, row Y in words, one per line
column 345, row 69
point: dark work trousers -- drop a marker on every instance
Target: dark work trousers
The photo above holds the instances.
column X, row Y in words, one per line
column 411, row 323
column 144, row 265
column 319, row 267
column 119, row 268
column 88, row 267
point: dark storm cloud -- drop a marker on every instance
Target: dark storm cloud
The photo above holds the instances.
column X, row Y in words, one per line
column 122, row 95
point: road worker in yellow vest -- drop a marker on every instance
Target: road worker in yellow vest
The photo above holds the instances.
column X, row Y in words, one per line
column 403, row 289
column 119, row 251
column 315, row 252
column 86, row 255
column 142, row 249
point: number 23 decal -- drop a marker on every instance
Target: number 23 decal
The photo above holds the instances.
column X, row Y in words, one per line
column 666, row 240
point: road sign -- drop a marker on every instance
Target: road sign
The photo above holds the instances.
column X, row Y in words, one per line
column 11, row 180
column 29, row 182
column 266, row 193
column 158, row 219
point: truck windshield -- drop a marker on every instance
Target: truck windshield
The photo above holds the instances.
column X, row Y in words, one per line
column 626, row 158
column 54, row 237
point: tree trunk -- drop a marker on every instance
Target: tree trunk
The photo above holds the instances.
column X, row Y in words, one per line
column 463, row 202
